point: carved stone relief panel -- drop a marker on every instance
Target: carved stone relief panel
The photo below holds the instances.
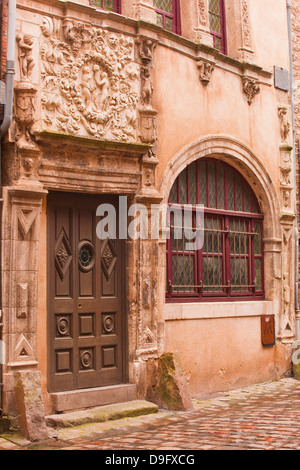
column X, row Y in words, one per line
column 90, row 82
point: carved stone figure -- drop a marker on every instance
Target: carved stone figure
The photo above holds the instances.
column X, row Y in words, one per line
column 26, row 60
column 147, row 88
column 284, row 124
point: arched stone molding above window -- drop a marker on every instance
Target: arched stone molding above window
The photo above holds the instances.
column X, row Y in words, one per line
column 276, row 224
column 238, row 155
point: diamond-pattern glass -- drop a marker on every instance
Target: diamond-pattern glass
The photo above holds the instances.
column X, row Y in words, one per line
column 212, row 273
column 212, row 185
column 247, row 199
column 215, row 23
column 182, row 187
column 230, row 190
column 214, row 6
column 239, row 194
column 164, row 5
column 212, row 238
column 202, row 175
column 257, row 239
column 173, row 194
column 221, row 186
column 258, row 280
column 192, row 183
column 183, row 272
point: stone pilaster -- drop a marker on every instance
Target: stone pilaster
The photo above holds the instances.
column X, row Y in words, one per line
column 201, row 30
column 20, row 241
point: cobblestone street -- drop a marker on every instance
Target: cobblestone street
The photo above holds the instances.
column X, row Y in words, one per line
column 265, row 416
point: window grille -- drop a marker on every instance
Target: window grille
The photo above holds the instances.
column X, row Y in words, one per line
column 229, row 263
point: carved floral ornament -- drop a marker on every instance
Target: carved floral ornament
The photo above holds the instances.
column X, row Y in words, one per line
column 91, row 84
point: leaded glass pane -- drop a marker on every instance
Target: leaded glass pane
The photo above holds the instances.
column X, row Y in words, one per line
column 257, row 239
column 258, row 280
column 202, row 174
column 221, row 186
column 159, row 20
column 183, row 272
column 215, row 23
column 164, row 5
column 247, row 199
column 183, row 187
column 218, row 43
column 97, row 3
column 214, row 7
column 238, row 241
column 212, row 273
column 193, row 183
column 230, row 190
column 212, row 185
column 168, row 24
column 239, row 273
column 173, row 194
column 109, row 5
column 212, row 236
column 239, row 194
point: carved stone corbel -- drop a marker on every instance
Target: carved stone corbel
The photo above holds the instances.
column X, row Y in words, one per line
column 251, row 88
column 206, row 68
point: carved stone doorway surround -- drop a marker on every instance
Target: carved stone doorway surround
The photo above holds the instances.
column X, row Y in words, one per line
column 90, row 167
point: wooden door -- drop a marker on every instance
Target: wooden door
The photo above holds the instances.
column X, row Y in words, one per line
column 86, row 303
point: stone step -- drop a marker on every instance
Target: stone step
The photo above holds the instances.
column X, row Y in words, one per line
column 92, row 397
column 101, row 414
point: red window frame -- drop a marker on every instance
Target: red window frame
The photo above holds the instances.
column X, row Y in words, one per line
column 175, row 16
column 235, row 240
column 100, row 4
column 222, row 35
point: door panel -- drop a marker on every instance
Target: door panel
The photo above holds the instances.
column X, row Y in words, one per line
column 86, row 316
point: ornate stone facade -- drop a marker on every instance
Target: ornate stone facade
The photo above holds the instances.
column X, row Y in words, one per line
column 113, row 105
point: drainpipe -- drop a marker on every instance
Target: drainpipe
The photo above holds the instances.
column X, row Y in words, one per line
column 8, row 112
column 297, row 313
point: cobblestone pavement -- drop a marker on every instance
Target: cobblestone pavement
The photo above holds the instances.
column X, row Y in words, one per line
column 265, row 416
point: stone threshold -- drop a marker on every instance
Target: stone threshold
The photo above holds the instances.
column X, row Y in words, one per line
column 101, row 414
column 92, row 397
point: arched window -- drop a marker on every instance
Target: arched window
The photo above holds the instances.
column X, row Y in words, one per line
column 111, row 5
column 168, row 15
column 229, row 263
column 217, row 24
